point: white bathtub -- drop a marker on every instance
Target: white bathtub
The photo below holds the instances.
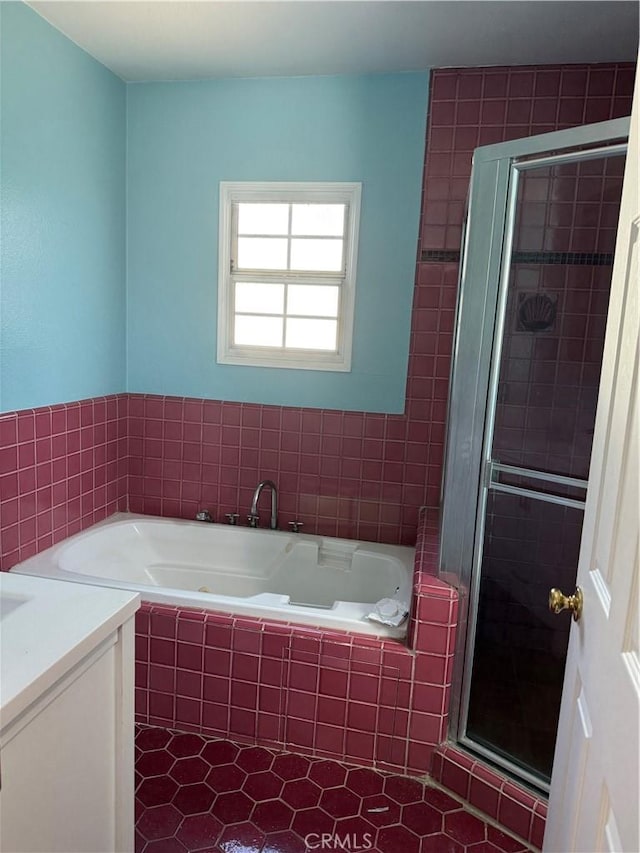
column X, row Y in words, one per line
column 291, row 577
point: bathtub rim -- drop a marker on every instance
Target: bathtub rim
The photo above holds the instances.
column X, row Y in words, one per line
column 346, row 616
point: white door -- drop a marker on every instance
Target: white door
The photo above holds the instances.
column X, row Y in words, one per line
column 594, row 801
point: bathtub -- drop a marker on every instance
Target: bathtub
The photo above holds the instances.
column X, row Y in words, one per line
column 290, row 577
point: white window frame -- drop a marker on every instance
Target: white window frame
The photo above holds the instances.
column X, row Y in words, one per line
column 232, row 192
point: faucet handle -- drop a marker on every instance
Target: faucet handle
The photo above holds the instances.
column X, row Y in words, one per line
column 253, row 520
column 232, row 518
column 204, row 515
column 295, row 526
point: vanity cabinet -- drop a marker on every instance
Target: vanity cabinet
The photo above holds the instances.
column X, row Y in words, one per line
column 67, row 756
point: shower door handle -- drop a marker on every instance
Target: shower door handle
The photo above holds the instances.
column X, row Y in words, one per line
column 559, row 602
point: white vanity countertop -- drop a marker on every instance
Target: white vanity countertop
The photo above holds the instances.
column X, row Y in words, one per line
column 46, row 628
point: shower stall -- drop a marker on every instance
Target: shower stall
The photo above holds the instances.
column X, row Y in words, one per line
column 532, row 309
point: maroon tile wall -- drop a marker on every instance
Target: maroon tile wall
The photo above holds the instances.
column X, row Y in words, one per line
column 62, row 468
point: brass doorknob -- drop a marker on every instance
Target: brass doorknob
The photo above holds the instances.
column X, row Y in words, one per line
column 559, row 601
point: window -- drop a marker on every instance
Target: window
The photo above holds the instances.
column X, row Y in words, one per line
column 287, row 266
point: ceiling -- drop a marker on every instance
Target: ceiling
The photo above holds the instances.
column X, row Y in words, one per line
column 183, row 39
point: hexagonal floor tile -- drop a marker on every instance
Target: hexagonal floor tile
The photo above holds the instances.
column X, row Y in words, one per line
column 197, row 832
column 340, row 802
column 392, row 839
column 440, row 843
column 422, row 818
column 263, row 786
column 233, row 807
column 241, row 838
column 364, row 782
column 253, row 759
column 360, row 833
column 272, row 816
column 194, row 799
column 220, row 752
column 464, row 827
column 314, row 820
column 188, row 770
column 328, row 774
column 403, row 790
column 380, row 810
column 152, row 738
column 159, row 822
column 284, row 842
column 301, row 794
column 289, row 766
column 226, row 777
column 185, row 744
column 165, row 845
column 154, row 763
column 157, row 790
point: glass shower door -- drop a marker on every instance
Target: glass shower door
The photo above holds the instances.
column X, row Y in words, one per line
column 542, row 377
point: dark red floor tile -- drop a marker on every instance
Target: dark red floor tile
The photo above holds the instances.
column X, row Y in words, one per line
column 157, row 790
column 340, row 802
column 226, row 777
column 464, row 827
column 422, row 818
column 165, row 845
column 194, row 799
column 272, row 816
column 253, row 759
column 263, row 786
column 482, row 847
column 220, row 752
column 185, row 744
column 397, row 839
column 327, row 774
column 188, row 770
column 241, row 838
column 197, row 832
column 403, row 790
column 284, row 842
column 301, row 794
column 361, row 834
column 233, row 807
column 312, row 821
column 441, row 844
column 290, row 766
column 364, row 782
column 154, row 763
column 439, row 800
column 380, row 810
column 139, row 842
column 159, row 822
column 152, row 738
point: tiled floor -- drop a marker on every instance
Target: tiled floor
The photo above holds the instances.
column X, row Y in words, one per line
column 200, row 794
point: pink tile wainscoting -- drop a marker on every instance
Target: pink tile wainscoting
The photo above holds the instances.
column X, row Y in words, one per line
column 62, row 469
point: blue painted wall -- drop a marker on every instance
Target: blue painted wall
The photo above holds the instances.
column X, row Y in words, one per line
column 183, row 138
column 62, row 298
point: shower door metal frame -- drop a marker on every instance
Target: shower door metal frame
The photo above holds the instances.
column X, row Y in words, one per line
column 469, row 470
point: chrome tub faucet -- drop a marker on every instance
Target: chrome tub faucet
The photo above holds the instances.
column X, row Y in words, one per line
column 253, row 516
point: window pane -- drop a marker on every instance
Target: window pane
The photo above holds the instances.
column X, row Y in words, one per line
column 259, row 297
column 320, row 255
column 312, row 334
column 262, row 253
column 321, row 219
column 313, row 300
column 263, row 218
column 257, row 331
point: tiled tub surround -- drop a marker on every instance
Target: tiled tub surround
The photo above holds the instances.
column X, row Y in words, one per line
column 195, row 793
column 62, row 469
column 326, row 693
